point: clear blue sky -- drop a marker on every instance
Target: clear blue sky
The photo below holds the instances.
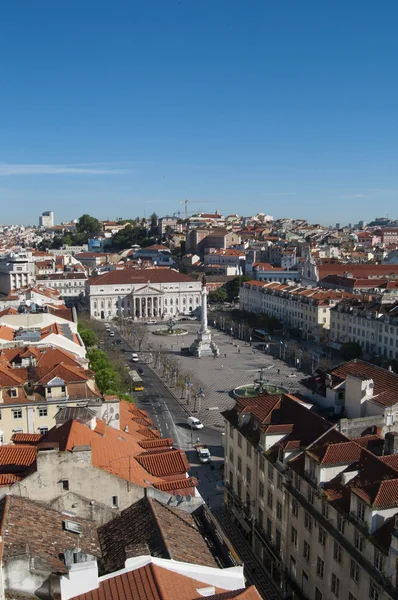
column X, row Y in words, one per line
column 281, row 106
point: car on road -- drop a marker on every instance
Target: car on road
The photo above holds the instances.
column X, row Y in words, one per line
column 151, row 322
column 203, row 453
column 111, row 333
column 107, row 327
column 134, row 357
column 186, row 351
column 194, row 423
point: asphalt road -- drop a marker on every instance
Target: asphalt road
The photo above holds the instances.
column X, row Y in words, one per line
column 171, row 420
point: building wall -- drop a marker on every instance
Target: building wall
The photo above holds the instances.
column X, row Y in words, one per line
column 377, row 334
column 169, row 299
column 286, row 539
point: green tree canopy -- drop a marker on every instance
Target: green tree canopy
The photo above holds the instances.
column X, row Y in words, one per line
column 233, row 286
column 351, row 350
column 219, row 295
column 153, row 219
column 88, row 225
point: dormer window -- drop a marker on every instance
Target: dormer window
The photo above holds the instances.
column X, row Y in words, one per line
column 360, row 510
column 13, row 393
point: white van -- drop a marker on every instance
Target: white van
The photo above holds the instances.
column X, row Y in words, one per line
column 194, row 423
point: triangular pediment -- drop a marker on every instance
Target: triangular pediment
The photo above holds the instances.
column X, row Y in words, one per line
column 147, row 288
column 55, row 381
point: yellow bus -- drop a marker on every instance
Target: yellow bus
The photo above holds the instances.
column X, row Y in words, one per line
column 136, row 382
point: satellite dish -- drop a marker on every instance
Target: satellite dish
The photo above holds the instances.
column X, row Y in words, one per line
column 111, row 410
column 188, row 498
column 178, row 497
column 116, row 415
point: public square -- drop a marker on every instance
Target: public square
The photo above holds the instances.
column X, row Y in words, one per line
column 238, row 364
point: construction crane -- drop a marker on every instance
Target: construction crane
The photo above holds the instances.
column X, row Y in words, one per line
column 185, row 202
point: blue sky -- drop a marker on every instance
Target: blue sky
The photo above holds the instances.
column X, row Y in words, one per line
column 125, row 107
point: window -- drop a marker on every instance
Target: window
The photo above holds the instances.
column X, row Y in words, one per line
column 320, row 567
column 293, row 568
column 248, row 475
column 248, row 500
column 115, row 502
column 295, row 508
column 337, row 552
column 231, row 432
column 239, row 489
column 354, row 571
column 43, row 411
column 269, row 498
column 307, row 521
column 0, row 415
column 374, row 592
column 306, row 551
column 231, row 479
column 293, row 537
column 249, row 449
column 270, row 472
column 239, row 464
column 335, row 585
column 361, row 510
column 239, row 440
column 260, row 517
column 379, row 560
column 297, row 483
column 278, row 540
column 359, row 541
column 279, row 481
column 65, row 484
column 262, row 463
column 321, row 536
column 351, row 596
column 311, row 495
column 279, row 510
column 318, row 594
column 43, row 430
column 48, row 390
column 17, row 413
column 231, row 455
column 325, row 508
column 13, row 393
column 269, row 528
column 261, row 489
column 340, row 523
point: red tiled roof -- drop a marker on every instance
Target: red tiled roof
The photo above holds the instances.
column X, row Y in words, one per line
column 21, row 456
column 160, row 463
column 7, row 479
column 131, row 276
column 26, row 438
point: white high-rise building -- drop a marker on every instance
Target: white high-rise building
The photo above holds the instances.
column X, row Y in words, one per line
column 46, row 219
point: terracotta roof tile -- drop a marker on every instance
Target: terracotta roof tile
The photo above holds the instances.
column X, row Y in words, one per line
column 16, row 457
column 131, row 276
column 30, row 527
column 26, row 438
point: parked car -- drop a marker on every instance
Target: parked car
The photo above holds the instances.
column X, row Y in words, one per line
column 111, row 333
column 151, row 322
column 194, row 423
column 185, row 351
column 140, row 371
column 134, row 357
column 203, row 453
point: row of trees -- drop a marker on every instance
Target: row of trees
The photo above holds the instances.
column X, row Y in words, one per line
column 111, row 375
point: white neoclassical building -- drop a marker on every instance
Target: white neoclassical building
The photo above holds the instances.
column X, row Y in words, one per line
column 142, row 293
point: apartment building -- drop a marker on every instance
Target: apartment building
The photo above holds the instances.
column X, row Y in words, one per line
column 318, row 508
column 16, row 271
column 71, row 285
column 300, row 308
column 372, row 324
column 35, row 383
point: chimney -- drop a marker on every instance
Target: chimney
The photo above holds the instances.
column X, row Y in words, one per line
column 391, row 443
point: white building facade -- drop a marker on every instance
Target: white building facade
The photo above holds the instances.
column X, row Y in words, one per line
column 16, row 271
column 145, row 293
column 373, row 325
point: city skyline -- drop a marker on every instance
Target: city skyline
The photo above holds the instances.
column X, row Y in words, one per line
column 284, row 109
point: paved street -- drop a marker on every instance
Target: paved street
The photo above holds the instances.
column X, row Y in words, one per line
column 234, row 367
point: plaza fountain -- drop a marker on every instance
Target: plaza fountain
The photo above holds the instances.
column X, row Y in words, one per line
column 260, row 386
column 171, row 329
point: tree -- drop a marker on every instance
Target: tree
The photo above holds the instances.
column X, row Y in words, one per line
column 88, row 337
column 219, row 295
column 233, row 286
column 153, row 219
column 351, row 350
column 88, row 225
